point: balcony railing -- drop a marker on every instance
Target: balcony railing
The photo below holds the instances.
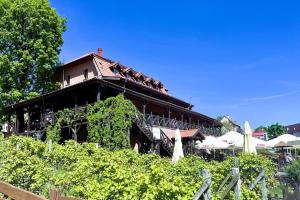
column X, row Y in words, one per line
column 152, row 120
column 156, row 120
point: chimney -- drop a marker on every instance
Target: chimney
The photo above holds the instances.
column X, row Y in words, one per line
column 100, row 52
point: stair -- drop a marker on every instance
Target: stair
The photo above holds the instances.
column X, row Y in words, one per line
column 146, row 129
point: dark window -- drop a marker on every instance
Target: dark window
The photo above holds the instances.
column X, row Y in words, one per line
column 140, row 80
column 68, row 80
column 116, row 71
column 86, row 74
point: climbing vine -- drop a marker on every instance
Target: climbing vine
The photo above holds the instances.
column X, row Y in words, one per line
column 109, row 122
column 64, row 117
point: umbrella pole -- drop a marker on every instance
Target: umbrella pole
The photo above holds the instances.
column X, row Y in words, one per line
column 214, row 153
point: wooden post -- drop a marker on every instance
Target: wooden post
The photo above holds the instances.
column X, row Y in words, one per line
column 237, row 188
column 264, row 186
column 144, row 108
column 50, row 145
column 205, row 188
column 75, row 102
column 236, row 163
column 54, row 194
column 20, row 121
column 98, row 93
column 157, row 147
column 29, row 119
column 207, row 179
column 9, row 124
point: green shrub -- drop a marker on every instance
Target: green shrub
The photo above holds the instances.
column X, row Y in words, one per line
column 294, row 170
column 82, row 170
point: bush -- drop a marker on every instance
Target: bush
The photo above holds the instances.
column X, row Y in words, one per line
column 294, row 170
column 96, row 173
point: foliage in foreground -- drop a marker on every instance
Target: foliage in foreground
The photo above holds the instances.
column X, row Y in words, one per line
column 294, row 171
column 95, row 173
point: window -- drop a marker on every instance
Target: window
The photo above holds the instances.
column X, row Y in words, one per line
column 115, row 71
column 86, row 74
column 139, row 80
column 68, row 79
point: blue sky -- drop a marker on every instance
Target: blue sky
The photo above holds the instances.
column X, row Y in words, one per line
column 240, row 58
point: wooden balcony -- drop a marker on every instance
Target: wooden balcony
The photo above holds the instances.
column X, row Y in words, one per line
column 156, row 120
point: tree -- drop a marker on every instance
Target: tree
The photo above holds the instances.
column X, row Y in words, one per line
column 261, row 127
column 276, row 130
column 30, row 42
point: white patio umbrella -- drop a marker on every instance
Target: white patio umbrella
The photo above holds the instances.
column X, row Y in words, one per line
column 211, row 142
column 282, row 138
column 295, row 142
column 178, row 151
column 237, row 140
column 249, row 146
column 232, row 138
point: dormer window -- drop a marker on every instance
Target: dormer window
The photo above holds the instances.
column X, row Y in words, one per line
column 86, row 74
column 158, row 88
column 115, row 71
column 140, row 80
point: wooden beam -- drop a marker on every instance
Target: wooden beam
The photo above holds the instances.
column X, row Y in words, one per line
column 17, row 193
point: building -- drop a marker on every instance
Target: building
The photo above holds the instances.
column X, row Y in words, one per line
column 91, row 78
column 232, row 122
column 260, row 134
column 294, row 129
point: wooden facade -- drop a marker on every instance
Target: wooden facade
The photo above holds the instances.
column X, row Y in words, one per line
column 91, row 78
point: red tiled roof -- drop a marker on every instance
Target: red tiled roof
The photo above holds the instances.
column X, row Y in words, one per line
column 184, row 133
column 188, row 133
column 106, row 68
column 259, row 133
